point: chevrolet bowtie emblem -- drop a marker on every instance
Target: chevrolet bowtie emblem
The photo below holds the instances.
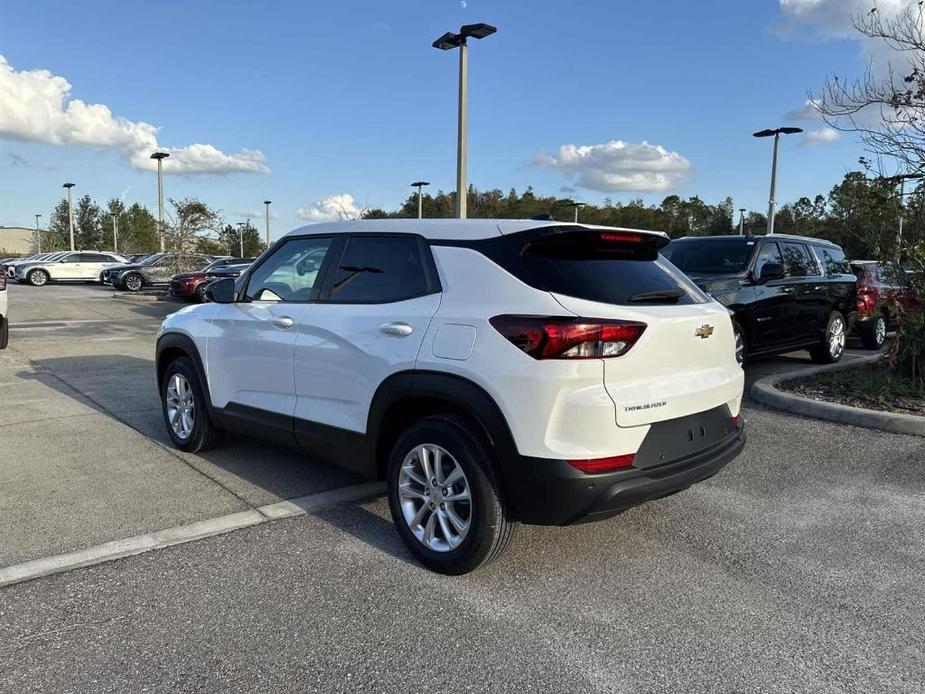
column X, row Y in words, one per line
column 704, row 331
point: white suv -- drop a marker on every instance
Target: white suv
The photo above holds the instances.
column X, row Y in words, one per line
column 491, row 372
column 84, row 266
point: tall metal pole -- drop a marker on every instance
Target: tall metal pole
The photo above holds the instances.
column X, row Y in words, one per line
column 771, row 202
column 38, row 235
column 160, row 201
column 267, row 215
column 461, row 154
column 420, row 202
column 899, row 232
column 741, row 221
column 241, row 228
column 115, row 234
column 70, row 213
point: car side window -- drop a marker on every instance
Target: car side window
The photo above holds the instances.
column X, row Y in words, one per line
column 768, row 253
column 94, row 258
column 291, row 273
column 379, row 269
column 833, row 260
column 72, row 258
column 798, row 261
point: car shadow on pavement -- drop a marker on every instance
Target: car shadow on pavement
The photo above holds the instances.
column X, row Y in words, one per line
column 123, row 388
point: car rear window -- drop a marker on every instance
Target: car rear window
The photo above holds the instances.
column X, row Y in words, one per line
column 603, row 266
column 710, row 256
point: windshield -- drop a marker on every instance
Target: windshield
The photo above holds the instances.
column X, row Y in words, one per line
column 151, row 259
column 710, row 256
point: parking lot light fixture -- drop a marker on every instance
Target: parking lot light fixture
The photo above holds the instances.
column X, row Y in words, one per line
column 115, row 231
column 741, row 221
column 241, row 226
column 577, row 206
column 420, row 186
column 70, row 213
column 448, row 42
column 160, row 156
column 775, row 133
column 266, row 204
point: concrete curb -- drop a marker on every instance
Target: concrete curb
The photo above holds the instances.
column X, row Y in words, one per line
column 137, row 296
column 764, row 391
column 158, row 539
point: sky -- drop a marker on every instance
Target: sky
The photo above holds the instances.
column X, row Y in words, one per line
column 323, row 107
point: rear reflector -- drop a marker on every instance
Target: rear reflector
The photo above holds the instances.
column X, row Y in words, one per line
column 547, row 337
column 598, row 465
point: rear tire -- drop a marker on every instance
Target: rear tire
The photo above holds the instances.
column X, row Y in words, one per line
column 741, row 347
column 37, row 278
column 873, row 336
column 4, row 332
column 832, row 347
column 461, row 535
column 186, row 412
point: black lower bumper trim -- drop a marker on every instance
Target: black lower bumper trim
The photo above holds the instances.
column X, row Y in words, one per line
column 552, row 492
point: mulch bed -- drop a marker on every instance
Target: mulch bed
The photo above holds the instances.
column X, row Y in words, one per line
column 872, row 387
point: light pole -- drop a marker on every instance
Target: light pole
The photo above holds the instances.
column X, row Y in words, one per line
column 38, row 235
column 266, row 204
column 160, row 156
column 577, row 206
column 776, row 133
column 445, row 43
column 741, row 221
column 241, row 235
column 115, row 232
column 70, row 213
column 420, row 186
column 901, row 179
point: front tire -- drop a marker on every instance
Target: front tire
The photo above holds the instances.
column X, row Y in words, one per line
column 873, row 336
column 186, row 412
column 445, row 498
column 38, row 278
column 832, row 347
column 133, row 282
column 4, row 332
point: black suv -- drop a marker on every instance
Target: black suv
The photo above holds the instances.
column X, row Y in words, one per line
column 786, row 292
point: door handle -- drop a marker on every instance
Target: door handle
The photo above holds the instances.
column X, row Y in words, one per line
column 284, row 322
column 401, row 329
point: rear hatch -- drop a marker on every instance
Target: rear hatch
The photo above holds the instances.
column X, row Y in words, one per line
column 683, row 362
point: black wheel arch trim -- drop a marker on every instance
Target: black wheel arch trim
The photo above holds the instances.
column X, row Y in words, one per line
column 170, row 343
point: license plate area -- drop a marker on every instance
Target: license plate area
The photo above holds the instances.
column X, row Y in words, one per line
column 674, row 439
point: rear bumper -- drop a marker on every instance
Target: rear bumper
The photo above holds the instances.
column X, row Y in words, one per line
column 552, row 492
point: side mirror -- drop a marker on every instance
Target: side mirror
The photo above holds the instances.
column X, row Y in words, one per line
column 771, row 271
column 221, row 291
column 305, row 266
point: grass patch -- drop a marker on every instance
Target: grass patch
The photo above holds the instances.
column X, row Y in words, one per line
column 872, row 386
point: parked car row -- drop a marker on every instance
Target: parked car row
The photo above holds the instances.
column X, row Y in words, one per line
column 191, row 286
column 791, row 292
column 69, row 266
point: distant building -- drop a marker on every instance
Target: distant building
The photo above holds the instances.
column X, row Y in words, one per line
column 17, row 241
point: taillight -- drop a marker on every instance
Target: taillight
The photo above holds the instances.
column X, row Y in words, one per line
column 620, row 237
column 598, row 465
column 569, row 338
column 867, row 299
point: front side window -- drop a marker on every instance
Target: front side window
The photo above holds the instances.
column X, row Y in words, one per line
column 798, row 261
column 769, row 253
column 377, row 269
column 291, row 273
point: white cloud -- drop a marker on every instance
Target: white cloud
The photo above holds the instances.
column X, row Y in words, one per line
column 808, row 113
column 37, row 106
column 334, row 208
column 822, row 136
column 619, row 166
column 254, row 213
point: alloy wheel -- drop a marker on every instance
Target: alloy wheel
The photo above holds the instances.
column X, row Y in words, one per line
column 181, row 406
column 435, row 497
column 38, row 278
column 740, row 347
column 837, row 337
column 880, row 330
column 133, row 283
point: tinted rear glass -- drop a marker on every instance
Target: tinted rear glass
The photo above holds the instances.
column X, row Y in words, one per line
column 378, row 269
column 581, row 265
column 710, row 256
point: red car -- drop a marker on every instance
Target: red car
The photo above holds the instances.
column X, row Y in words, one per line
column 884, row 291
column 191, row 286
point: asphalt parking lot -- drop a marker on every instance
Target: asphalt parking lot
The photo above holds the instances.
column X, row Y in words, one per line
column 797, row 568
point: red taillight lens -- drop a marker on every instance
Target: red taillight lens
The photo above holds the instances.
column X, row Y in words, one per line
column 569, row 338
column 735, row 422
column 867, row 299
column 598, row 465
column 620, row 237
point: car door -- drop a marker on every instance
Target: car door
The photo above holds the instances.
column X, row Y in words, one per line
column 772, row 313
column 251, row 341
column 808, row 287
column 67, row 267
column 91, row 264
column 378, row 300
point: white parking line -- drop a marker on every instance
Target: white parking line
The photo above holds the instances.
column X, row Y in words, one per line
column 117, row 549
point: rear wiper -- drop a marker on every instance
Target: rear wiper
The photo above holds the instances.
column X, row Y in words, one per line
column 665, row 295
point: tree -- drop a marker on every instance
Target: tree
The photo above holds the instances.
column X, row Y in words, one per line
column 229, row 240
column 57, row 236
column 138, row 231
column 190, row 219
column 88, row 230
